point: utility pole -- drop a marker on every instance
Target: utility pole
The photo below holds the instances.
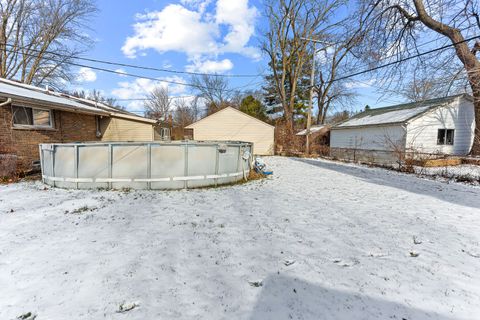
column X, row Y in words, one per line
column 310, row 105
column 312, row 83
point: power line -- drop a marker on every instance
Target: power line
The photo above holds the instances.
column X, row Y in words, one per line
column 235, row 89
column 250, row 83
column 127, row 65
column 120, row 64
column 403, row 59
column 423, row 44
column 143, row 99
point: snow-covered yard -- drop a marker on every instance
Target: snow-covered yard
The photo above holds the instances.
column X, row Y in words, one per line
column 465, row 171
column 318, row 240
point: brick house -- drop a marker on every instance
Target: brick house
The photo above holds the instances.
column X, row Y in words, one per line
column 30, row 115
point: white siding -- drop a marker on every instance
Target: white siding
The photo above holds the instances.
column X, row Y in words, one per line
column 459, row 115
column 386, row 138
column 231, row 124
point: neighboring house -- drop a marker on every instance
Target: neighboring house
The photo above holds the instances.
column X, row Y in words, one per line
column 234, row 125
column 122, row 125
column 436, row 126
column 30, row 115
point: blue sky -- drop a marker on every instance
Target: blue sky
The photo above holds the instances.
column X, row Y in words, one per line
column 187, row 35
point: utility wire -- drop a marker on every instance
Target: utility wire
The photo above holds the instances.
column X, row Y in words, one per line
column 120, row 64
column 422, row 45
column 143, row 99
column 404, row 59
column 235, row 89
column 381, row 59
column 127, row 65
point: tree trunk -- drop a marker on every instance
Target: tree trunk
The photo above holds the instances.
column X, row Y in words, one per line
column 466, row 56
column 476, row 104
column 320, row 109
column 289, row 127
column 472, row 66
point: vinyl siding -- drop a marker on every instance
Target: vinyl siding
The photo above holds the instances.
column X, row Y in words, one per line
column 385, row 138
column 116, row 129
column 230, row 124
column 459, row 115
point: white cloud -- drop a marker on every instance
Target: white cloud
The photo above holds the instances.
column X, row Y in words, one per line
column 240, row 19
column 175, row 28
column 201, row 5
column 139, row 88
column 121, row 72
column 86, row 75
column 188, row 28
column 325, row 55
column 210, row 66
column 355, row 84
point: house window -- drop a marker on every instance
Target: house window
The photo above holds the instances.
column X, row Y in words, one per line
column 32, row 117
column 445, row 136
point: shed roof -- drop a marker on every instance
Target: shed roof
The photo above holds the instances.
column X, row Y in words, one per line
column 395, row 114
column 314, row 129
column 224, row 110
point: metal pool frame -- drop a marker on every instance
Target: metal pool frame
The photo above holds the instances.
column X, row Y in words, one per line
column 144, row 165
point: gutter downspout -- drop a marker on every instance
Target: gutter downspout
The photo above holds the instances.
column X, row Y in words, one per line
column 98, row 131
column 9, row 100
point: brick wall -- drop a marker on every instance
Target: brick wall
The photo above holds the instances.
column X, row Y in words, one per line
column 23, row 143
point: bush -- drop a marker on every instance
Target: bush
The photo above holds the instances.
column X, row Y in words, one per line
column 8, row 165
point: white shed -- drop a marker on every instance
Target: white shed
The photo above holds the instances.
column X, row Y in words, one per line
column 232, row 124
column 436, row 126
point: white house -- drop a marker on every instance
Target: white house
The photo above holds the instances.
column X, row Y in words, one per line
column 436, row 126
column 232, row 124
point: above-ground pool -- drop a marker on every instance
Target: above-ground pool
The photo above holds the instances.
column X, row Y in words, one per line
column 145, row 165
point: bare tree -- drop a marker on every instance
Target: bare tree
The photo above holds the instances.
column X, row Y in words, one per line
column 214, row 90
column 397, row 25
column 420, row 88
column 338, row 116
column 39, row 38
column 289, row 22
column 97, row 96
column 158, row 103
column 185, row 112
column 331, row 93
column 337, row 58
column 337, row 97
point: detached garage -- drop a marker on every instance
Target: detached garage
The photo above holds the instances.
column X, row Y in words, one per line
column 442, row 126
column 234, row 125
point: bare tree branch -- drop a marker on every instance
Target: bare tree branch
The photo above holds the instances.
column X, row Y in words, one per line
column 30, row 30
column 158, row 104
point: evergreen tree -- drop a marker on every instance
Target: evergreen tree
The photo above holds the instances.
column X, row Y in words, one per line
column 253, row 107
column 272, row 99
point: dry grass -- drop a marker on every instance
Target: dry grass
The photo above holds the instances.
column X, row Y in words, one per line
column 442, row 162
column 253, row 175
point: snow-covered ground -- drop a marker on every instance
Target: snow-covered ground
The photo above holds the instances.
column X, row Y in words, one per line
column 471, row 172
column 318, row 240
